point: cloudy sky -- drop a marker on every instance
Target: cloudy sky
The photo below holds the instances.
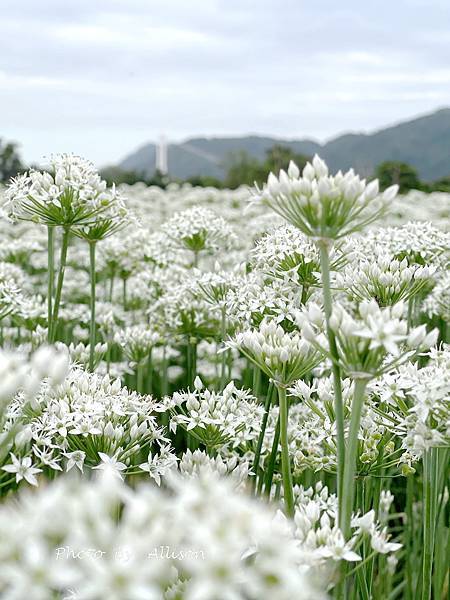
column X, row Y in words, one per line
column 101, row 77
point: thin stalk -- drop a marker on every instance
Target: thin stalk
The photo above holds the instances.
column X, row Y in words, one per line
column 165, row 386
column 150, row 373
column 59, row 285
column 164, row 382
column 92, row 275
column 111, row 287
column 409, row 533
column 442, row 534
column 410, row 313
column 430, row 492
column 51, row 276
column 256, row 382
column 191, row 361
column 348, row 487
column 338, row 402
column 272, row 460
column 124, row 293
column 139, row 378
column 285, row 461
column 223, row 361
column 396, row 591
column 361, row 564
column 262, row 432
column 304, row 296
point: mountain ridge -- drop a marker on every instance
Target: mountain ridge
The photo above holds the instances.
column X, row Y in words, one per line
column 423, row 142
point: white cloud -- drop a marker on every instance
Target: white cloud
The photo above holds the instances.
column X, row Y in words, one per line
column 102, row 77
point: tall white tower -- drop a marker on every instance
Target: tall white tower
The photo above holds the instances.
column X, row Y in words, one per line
column 161, row 156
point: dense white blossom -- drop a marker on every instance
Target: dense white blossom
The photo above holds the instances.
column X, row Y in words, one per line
column 70, row 193
column 68, row 537
column 321, row 205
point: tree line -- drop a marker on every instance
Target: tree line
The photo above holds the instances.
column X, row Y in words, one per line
column 241, row 169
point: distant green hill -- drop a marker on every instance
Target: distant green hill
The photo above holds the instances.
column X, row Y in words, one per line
column 423, row 142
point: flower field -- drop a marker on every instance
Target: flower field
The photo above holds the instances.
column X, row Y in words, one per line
column 223, row 394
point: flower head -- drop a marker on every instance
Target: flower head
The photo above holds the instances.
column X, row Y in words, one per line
column 283, row 356
column 321, row 205
column 70, row 193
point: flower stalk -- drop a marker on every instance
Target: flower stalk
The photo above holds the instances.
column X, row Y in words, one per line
column 262, row 432
column 60, row 281
column 348, row 482
column 92, row 274
column 50, row 276
column 338, row 402
column 285, row 460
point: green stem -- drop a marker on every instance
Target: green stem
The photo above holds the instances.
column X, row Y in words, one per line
column 430, row 493
column 139, row 378
column 272, row 460
column 338, row 402
column 262, row 431
column 348, row 487
column 361, row 564
column 51, row 276
column 124, row 293
column 223, row 363
column 59, row 285
column 164, row 382
column 256, row 383
column 191, row 361
column 111, row 287
column 442, row 533
column 410, row 313
column 304, row 296
column 409, row 536
column 108, row 356
column 92, row 321
column 165, row 417
column 285, row 461
column 150, row 373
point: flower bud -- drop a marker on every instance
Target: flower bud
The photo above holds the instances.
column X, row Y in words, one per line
column 293, row 170
column 320, row 167
column 308, row 172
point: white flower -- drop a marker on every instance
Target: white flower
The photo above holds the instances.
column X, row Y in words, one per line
column 75, row 459
column 199, row 229
column 52, row 363
column 23, row 469
column 365, row 522
column 379, row 542
column 111, row 465
column 321, row 205
column 283, row 356
column 338, row 549
column 158, row 465
column 71, row 194
column 218, row 419
column 386, row 334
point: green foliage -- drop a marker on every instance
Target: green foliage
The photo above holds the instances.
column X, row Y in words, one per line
column 441, row 185
column 205, row 181
column 243, row 169
column 279, row 157
column 117, row 175
column 10, row 162
column 393, row 172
